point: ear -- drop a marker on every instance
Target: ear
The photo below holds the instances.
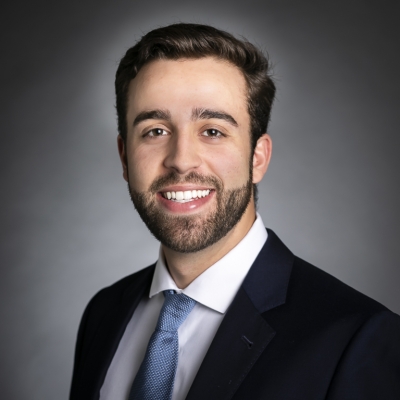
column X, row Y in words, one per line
column 122, row 156
column 261, row 157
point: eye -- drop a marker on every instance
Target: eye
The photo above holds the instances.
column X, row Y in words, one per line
column 212, row 133
column 156, row 132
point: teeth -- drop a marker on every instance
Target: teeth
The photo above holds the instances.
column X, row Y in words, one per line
column 179, row 195
column 187, row 195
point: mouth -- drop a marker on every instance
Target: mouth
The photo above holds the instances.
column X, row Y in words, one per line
column 186, row 196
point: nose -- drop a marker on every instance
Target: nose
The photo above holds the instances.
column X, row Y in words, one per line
column 183, row 153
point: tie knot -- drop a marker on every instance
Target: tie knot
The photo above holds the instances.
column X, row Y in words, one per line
column 174, row 311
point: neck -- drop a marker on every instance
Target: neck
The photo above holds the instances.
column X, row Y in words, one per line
column 186, row 267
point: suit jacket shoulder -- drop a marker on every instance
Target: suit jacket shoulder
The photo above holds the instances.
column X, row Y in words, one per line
column 315, row 298
column 364, row 336
column 101, row 328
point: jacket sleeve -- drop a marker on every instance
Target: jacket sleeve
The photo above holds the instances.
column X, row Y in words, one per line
column 369, row 368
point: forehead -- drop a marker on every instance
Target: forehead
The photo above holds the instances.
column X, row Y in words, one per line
column 188, row 83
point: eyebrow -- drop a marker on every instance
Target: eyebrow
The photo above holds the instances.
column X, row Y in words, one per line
column 152, row 114
column 206, row 113
column 197, row 113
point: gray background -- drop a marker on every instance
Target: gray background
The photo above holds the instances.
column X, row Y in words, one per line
column 67, row 225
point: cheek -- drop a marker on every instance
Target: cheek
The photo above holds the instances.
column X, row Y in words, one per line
column 142, row 169
column 232, row 167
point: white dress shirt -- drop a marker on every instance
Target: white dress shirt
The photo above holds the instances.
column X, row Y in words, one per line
column 214, row 290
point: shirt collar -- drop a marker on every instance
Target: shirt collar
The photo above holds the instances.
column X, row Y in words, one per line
column 217, row 286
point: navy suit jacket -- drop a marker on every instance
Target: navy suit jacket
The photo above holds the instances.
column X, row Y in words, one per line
column 292, row 332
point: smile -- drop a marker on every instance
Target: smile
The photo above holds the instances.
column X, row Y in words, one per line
column 186, row 196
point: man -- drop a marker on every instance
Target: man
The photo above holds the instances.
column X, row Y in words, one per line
column 227, row 311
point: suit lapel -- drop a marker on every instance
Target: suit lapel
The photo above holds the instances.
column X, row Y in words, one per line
column 109, row 334
column 240, row 340
column 244, row 333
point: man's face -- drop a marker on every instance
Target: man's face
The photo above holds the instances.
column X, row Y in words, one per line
column 187, row 157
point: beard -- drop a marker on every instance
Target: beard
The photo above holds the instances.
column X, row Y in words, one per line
column 192, row 233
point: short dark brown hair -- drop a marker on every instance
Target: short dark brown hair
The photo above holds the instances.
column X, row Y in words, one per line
column 195, row 41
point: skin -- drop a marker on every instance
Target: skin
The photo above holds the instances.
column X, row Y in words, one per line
column 182, row 142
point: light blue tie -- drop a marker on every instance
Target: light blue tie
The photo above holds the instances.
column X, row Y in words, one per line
column 156, row 375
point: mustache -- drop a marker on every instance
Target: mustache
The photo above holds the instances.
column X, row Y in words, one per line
column 173, row 178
